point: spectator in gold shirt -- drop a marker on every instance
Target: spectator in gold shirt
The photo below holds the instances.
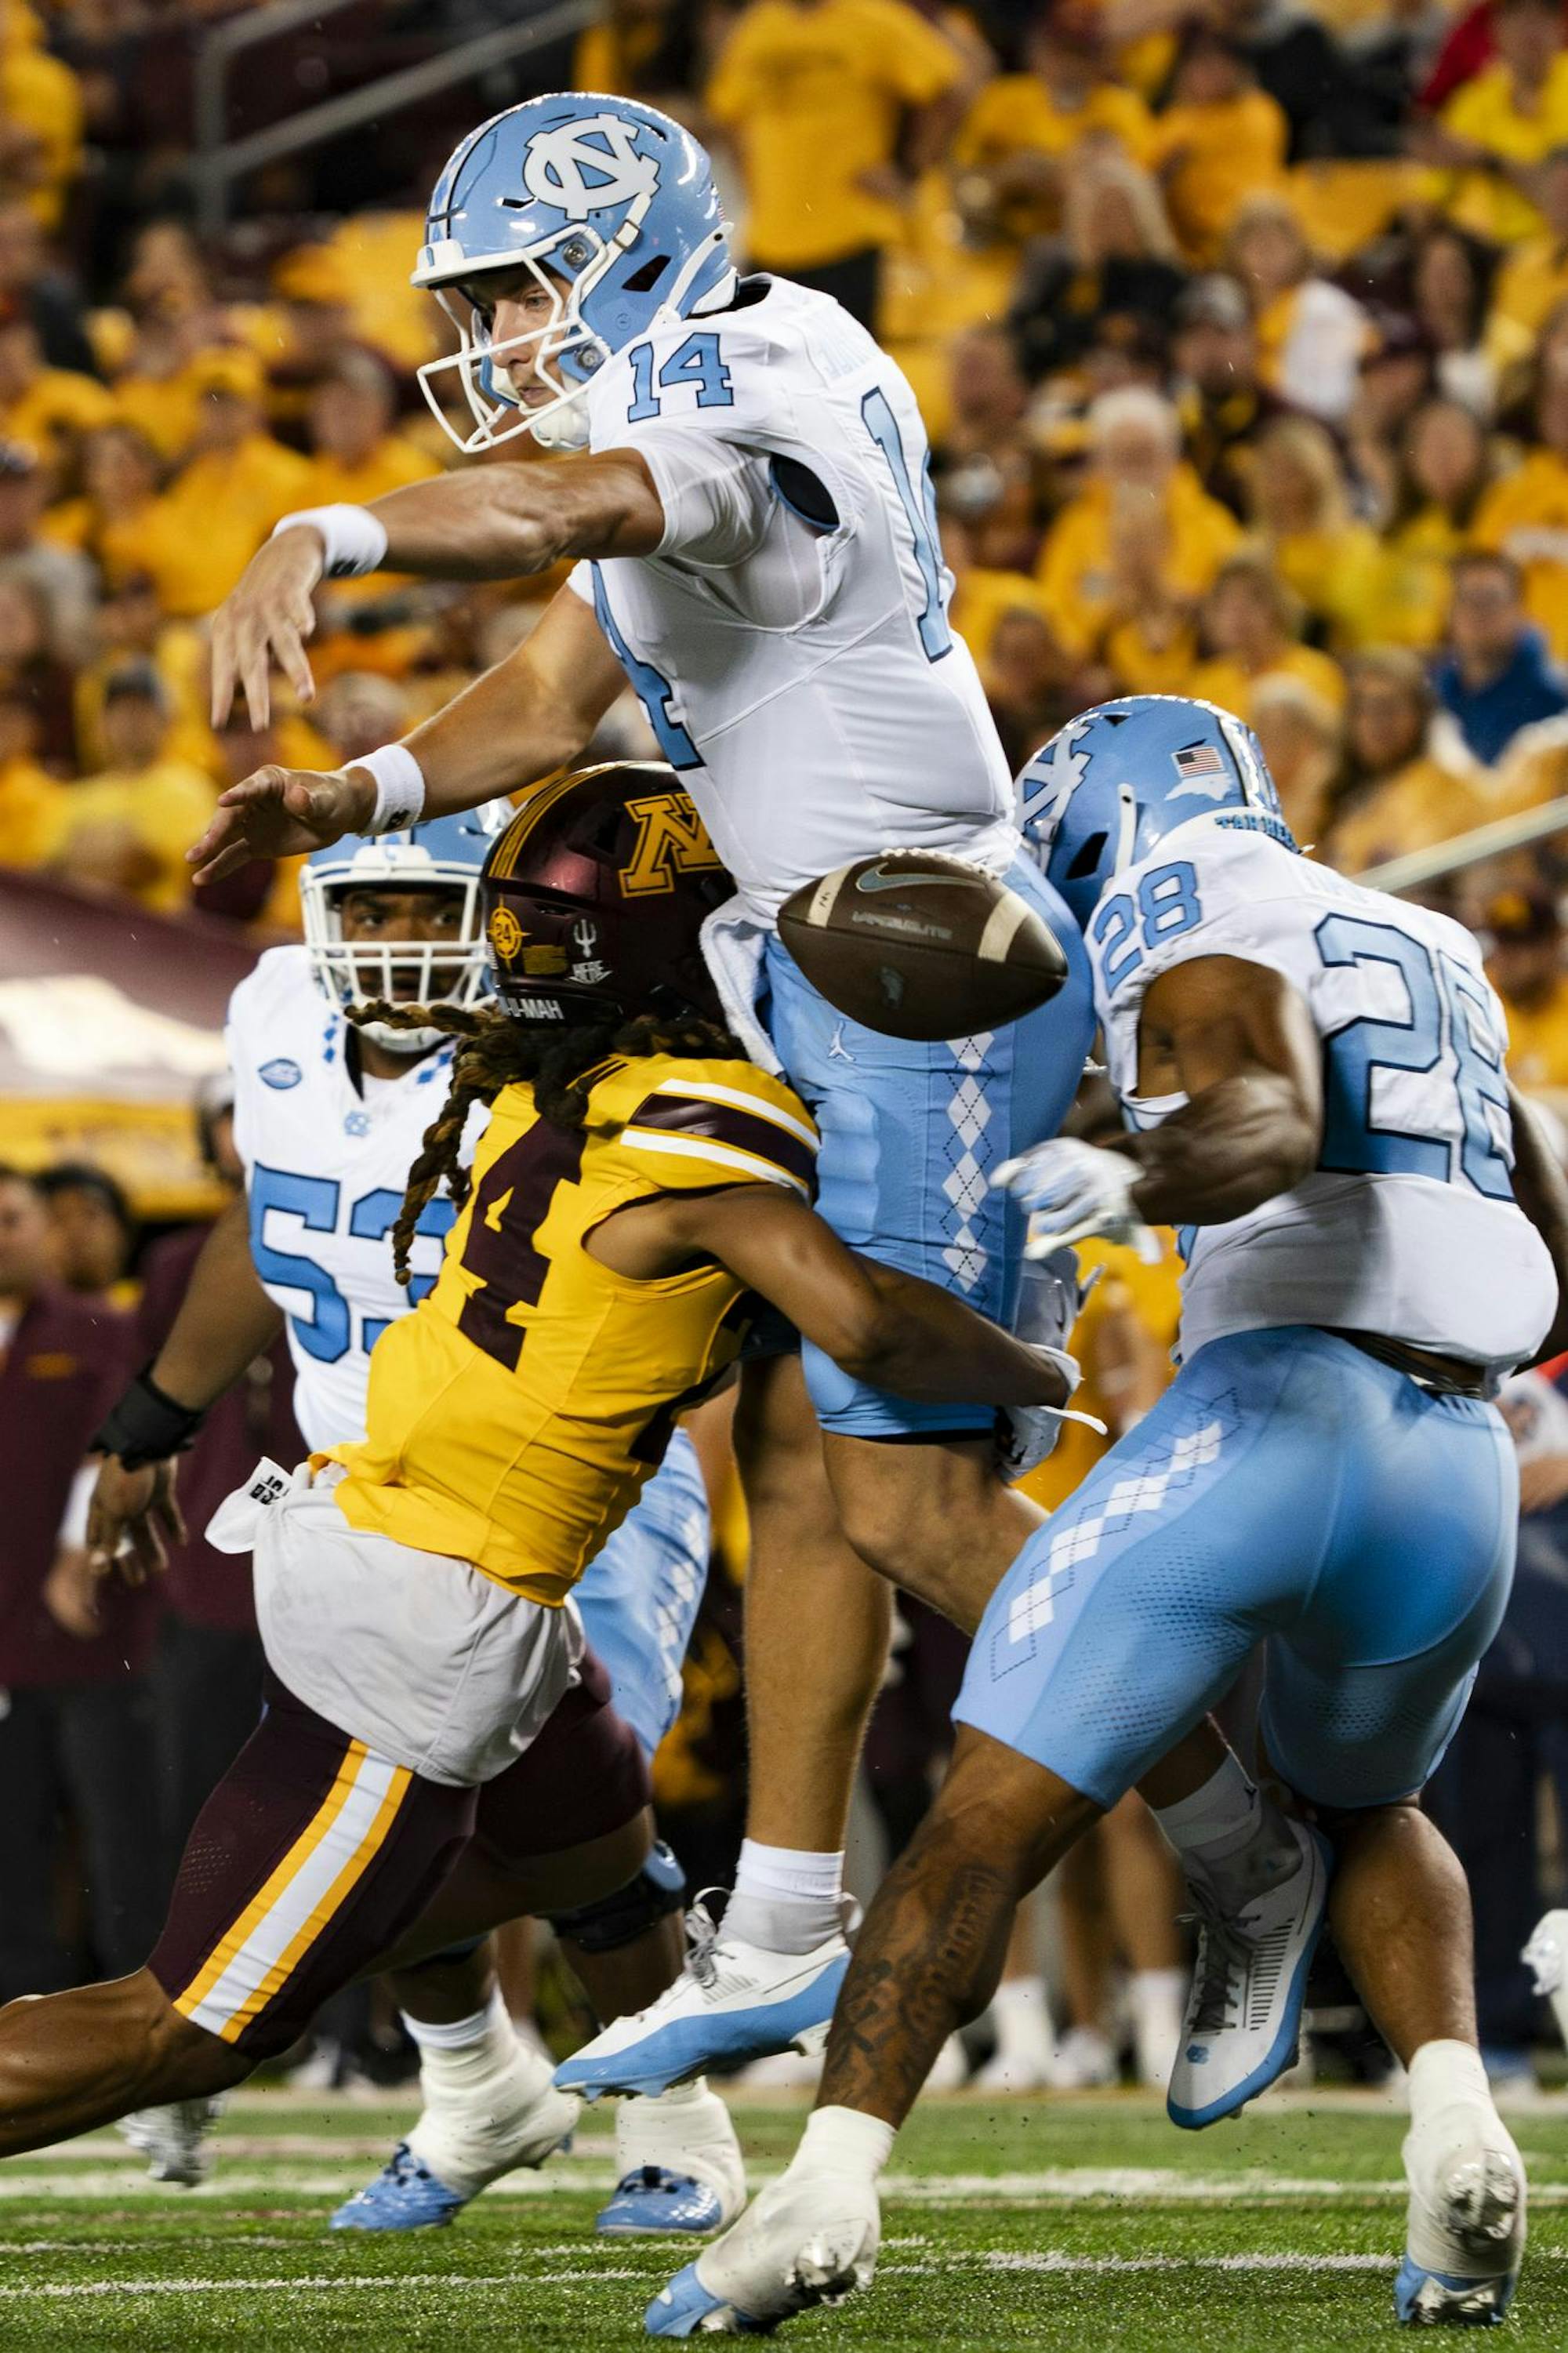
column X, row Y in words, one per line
column 1525, row 515
column 1407, row 782
column 29, row 795
column 1501, row 124
column 235, row 486
column 1533, row 279
column 1220, row 140
column 815, row 95
column 1136, row 439
column 129, row 828
column 48, row 409
column 1253, row 623
column 1526, row 968
column 1026, row 134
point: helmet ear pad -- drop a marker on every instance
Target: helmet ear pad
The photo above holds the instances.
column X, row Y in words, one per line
column 594, row 899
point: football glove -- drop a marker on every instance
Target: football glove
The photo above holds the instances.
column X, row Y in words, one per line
column 1072, row 1190
column 1026, row 1434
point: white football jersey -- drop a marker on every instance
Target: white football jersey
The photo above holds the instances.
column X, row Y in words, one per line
column 325, row 1169
column 805, row 681
column 1408, row 1227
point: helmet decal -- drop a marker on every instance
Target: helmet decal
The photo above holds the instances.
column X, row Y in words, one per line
column 582, row 167
column 671, row 840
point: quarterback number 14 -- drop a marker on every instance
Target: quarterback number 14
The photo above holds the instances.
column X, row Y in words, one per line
column 694, row 366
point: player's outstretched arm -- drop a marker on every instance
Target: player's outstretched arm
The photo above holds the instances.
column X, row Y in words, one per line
column 528, row 716
column 491, row 522
column 889, row 1329
column 1542, row 1191
column 226, row 1319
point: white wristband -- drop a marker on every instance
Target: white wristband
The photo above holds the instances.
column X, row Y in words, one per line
column 399, row 789
column 353, row 540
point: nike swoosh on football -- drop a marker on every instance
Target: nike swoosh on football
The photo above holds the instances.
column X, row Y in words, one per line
column 879, row 878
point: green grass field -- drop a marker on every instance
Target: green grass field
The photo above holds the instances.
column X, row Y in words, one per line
column 1075, row 2225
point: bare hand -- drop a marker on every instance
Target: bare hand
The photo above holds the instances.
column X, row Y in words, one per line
column 281, row 813
column 70, row 1595
column 1542, row 1483
column 265, row 619
column 129, row 1516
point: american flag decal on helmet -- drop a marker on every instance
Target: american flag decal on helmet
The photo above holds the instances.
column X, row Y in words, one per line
column 1199, row 760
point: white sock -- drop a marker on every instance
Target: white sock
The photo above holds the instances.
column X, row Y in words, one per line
column 1235, row 1835
column 1021, row 2016
column 843, row 2140
column 1218, row 1818
column 786, row 1899
column 1447, row 2075
column 464, row 2066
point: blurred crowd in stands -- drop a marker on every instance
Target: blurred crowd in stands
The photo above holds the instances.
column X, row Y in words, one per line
column 1240, row 327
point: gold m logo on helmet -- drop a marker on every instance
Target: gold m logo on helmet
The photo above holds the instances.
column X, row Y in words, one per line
column 506, row 933
column 671, row 840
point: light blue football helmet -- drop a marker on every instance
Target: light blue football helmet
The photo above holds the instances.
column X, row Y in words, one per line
column 1113, row 782
column 612, row 208
column 447, row 854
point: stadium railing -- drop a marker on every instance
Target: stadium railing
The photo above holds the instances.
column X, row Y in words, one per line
column 1473, row 848
column 218, row 161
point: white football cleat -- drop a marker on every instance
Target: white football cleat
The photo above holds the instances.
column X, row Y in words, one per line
column 807, row 2240
column 1243, row 2013
column 731, row 2002
column 1467, row 2224
column 173, row 2139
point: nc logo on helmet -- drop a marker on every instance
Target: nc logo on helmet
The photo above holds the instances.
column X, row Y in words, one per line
column 580, row 166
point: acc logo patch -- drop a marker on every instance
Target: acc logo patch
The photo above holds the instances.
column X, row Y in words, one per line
column 580, row 166
column 506, row 933
column 282, row 1072
column 671, row 840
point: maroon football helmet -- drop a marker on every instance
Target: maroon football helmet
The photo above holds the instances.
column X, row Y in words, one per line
column 595, row 896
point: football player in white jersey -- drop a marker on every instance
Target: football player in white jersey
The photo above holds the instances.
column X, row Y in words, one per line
column 750, row 504
column 329, row 1117
column 1313, row 1076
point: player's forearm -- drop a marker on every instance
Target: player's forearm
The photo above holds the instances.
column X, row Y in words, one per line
column 1239, row 1144
column 226, row 1318
column 922, row 1342
column 502, row 734
column 506, row 522
column 1542, row 1191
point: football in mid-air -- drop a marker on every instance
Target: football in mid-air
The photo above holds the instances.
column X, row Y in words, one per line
column 919, row 946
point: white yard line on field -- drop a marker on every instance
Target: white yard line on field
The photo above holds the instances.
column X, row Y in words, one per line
column 41, row 2177
column 340, row 2283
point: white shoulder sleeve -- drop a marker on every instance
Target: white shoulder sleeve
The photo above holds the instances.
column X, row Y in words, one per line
column 715, row 494
column 1233, row 896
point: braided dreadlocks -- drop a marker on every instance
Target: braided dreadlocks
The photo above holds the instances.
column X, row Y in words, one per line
column 495, row 1053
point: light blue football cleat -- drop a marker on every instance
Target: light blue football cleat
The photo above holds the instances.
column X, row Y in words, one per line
column 686, row 2309
column 410, row 2193
column 404, row 2196
column 1243, row 2023
column 678, row 2165
column 733, row 2002
column 1424, row 2299
column 810, row 2239
column 652, row 2200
